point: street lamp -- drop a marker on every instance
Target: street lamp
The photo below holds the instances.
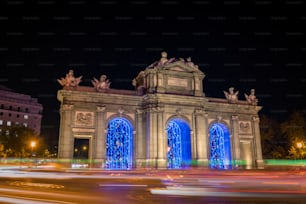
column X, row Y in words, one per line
column 33, row 144
column 299, row 146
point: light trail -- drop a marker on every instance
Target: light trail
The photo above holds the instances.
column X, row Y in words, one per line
column 122, row 185
column 26, row 200
column 7, row 192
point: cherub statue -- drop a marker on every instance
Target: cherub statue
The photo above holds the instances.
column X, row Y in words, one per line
column 231, row 96
column 251, row 99
column 101, row 84
column 190, row 63
column 163, row 58
column 70, row 80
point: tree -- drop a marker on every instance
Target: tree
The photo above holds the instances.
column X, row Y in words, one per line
column 295, row 130
column 16, row 141
column 274, row 145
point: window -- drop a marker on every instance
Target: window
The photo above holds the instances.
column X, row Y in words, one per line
column 1, row 122
column 18, row 108
column 25, row 124
column 26, row 117
column 8, row 123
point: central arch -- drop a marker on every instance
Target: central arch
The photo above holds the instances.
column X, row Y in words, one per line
column 179, row 145
column 220, row 148
column 119, row 144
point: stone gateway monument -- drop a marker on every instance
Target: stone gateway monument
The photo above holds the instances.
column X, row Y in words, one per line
column 167, row 122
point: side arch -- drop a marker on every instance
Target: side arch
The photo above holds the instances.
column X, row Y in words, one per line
column 220, row 146
column 119, row 144
column 179, row 144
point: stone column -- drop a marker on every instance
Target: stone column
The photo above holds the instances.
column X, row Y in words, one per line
column 258, row 150
column 200, row 138
column 140, row 141
column 99, row 139
column 161, row 139
column 235, row 135
column 152, row 136
column 197, row 85
column 160, row 83
column 152, row 81
column 66, row 139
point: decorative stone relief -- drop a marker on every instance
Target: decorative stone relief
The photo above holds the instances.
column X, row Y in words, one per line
column 244, row 127
column 83, row 118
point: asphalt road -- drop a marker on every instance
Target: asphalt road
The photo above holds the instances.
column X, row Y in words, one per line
column 158, row 188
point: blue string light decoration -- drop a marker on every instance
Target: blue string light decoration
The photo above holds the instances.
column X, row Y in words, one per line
column 179, row 146
column 220, row 152
column 119, row 144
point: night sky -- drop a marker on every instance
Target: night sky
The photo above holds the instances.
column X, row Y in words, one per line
column 245, row 44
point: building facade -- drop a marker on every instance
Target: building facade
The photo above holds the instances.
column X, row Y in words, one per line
column 19, row 109
column 167, row 122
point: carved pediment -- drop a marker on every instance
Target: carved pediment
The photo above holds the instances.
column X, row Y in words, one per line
column 174, row 64
column 177, row 68
column 181, row 66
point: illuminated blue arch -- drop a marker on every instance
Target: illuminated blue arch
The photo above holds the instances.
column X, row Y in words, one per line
column 179, row 145
column 220, row 147
column 119, row 144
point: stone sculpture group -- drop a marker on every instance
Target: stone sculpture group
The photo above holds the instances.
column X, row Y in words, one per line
column 71, row 81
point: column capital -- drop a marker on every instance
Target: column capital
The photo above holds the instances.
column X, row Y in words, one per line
column 66, row 107
column 235, row 117
column 256, row 119
column 160, row 108
column 101, row 108
column 199, row 111
column 155, row 108
column 139, row 111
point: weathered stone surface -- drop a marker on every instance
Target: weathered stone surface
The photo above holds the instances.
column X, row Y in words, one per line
column 167, row 89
